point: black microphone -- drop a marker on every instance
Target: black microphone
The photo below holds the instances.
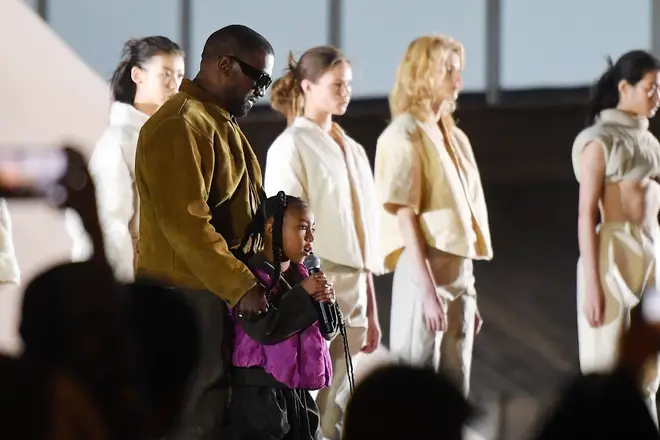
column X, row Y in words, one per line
column 328, row 319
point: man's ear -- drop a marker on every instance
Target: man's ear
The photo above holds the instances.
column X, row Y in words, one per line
column 225, row 65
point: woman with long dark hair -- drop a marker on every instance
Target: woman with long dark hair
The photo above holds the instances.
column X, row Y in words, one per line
column 150, row 71
column 616, row 161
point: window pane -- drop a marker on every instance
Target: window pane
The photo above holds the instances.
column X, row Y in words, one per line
column 97, row 30
column 566, row 42
column 376, row 33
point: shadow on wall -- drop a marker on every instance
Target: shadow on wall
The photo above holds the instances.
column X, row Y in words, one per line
column 47, row 99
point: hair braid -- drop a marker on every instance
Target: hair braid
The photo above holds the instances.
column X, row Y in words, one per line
column 254, row 237
column 278, row 222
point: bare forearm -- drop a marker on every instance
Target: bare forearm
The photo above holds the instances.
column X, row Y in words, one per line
column 372, row 307
column 414, row 242
column 592, row 172
column 588, row 243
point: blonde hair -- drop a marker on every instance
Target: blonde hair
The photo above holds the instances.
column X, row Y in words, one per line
column 415, row 83
column 286, row 93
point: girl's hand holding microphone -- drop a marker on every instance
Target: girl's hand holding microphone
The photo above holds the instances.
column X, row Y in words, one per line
column 319, row 288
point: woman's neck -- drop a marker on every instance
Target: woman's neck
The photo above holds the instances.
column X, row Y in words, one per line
column 626, row 110
column 270, row 257
column 146, row 107
column 322, row 119
column 438, row 111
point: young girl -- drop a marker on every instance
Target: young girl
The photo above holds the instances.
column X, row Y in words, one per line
column 150, row 71
column 282, row 355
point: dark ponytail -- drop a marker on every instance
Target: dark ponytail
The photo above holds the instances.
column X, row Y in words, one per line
column 136, row 53
column 604, row 94
column 631, row 67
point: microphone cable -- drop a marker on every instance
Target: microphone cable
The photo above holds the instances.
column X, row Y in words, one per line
column 350, row 374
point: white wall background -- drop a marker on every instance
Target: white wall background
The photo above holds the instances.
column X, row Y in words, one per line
column 558, row 43
column 565, row 42
column 48, row 96
column 97, row 29
column 376, row 33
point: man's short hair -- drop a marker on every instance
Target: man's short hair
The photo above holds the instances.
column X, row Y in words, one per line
column 236, row 40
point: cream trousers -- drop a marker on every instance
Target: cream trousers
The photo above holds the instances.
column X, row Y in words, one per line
column 410, row 340
column 627, row 265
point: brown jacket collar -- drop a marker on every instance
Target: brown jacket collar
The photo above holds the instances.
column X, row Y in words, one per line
column 193, row 89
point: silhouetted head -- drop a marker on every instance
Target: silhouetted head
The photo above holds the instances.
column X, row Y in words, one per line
column 236, row 68
column 68, row 311
column 397, row 402
column 631, row 84
column 74, row 319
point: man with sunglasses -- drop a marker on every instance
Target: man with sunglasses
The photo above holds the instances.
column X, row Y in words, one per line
column 200, row 183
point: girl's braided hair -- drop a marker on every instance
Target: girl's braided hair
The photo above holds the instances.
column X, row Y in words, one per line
column 276, row 208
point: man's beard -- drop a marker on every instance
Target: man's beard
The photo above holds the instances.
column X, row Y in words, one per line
column 241, row 107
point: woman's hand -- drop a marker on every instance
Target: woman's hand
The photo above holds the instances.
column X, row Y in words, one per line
column 373, row 335
column 435, row 316
column 593, row 306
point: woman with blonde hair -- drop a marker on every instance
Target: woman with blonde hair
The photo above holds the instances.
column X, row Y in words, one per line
column 316, row 160
column 150, row 71
column 434, row 217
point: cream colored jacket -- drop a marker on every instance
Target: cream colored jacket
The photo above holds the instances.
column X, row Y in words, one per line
column 9, row 271
column 435, row 173
column 304, row 161
column 112, row 167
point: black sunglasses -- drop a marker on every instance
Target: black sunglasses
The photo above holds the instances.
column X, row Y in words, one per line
column 261, row 79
